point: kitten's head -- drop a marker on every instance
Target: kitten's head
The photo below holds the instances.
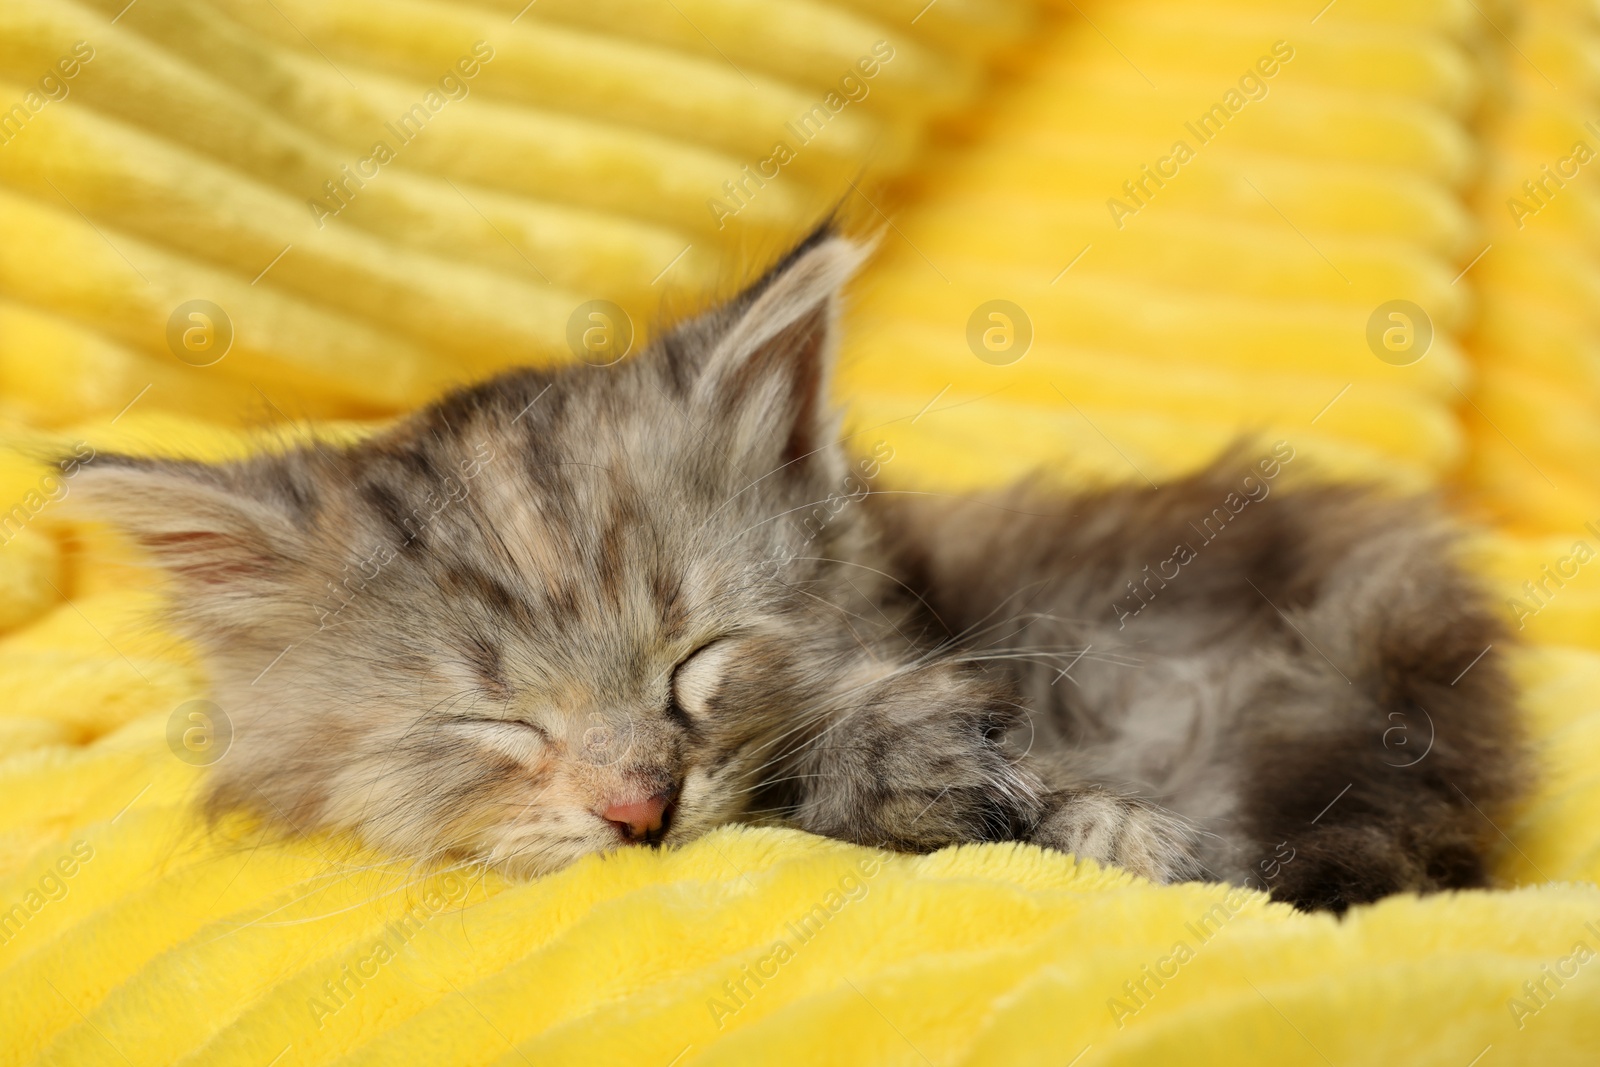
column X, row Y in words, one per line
column 550, row 614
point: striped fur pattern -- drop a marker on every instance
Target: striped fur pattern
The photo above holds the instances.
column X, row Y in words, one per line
column 472, row 636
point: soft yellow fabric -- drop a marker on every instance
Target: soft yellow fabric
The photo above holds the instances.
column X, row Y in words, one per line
column 587, row 161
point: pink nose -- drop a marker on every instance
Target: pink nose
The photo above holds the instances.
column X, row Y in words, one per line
column 640, row 820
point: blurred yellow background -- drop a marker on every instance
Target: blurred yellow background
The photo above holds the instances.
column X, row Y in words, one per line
column 1113, row 236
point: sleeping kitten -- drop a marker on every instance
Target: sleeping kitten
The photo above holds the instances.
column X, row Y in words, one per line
column 568, row 610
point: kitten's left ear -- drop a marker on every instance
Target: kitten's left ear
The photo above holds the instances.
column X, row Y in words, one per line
column 765, row 382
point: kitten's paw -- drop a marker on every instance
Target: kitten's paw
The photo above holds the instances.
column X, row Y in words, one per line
column 918, row 781
column 1123, row 831
column 920, row 795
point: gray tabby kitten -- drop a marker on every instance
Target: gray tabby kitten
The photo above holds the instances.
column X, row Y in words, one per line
column 567, row 610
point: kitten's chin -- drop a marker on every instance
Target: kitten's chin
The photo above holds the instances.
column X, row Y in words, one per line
column 536, row 859
column 529, row 856
column 545, row 841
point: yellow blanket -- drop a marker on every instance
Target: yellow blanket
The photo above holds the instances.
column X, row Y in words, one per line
column 1114, row 236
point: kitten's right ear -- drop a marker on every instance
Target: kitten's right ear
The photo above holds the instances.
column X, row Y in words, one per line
column 217, row 529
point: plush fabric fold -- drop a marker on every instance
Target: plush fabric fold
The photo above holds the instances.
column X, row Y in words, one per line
column 626, row 150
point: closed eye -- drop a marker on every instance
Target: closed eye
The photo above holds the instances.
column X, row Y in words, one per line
column 676, row 712
column 696, row 679
column 506, row 726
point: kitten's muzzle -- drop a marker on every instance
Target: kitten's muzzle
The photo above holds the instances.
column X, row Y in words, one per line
column 642, row 821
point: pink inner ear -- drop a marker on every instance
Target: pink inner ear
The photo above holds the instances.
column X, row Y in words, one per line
column 810, row 382
column 207, row 556
column 796, row 355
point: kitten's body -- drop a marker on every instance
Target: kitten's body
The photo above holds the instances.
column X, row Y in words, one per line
column 565, row 610
column 1312, row 685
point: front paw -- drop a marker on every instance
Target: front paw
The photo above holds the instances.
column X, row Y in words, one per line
column 919, row 774
column 1122, row 831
